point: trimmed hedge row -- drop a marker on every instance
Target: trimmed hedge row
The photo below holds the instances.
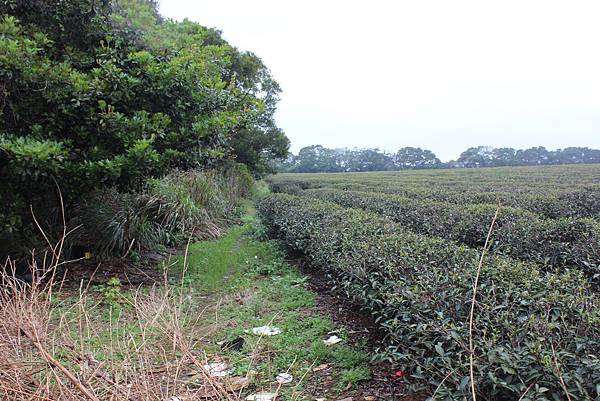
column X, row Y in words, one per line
column 419, row 290
column 519, row 234
column 550, row 204
column 577, row 200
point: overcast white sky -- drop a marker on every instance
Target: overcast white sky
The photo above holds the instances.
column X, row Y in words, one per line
column 442, row 75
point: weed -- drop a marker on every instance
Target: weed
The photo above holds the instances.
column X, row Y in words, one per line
column 350, row 357
column 350, row 377
column 112, row 293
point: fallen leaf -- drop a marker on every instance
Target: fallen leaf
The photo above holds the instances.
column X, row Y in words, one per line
column 321, row 367
column 370, row 398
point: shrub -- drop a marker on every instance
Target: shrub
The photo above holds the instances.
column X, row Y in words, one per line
column 551, row 192
column 419, row 289
column 565, row 242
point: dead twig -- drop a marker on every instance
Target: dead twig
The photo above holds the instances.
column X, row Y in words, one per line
column 33, row 337
column 562, row 381
column 473, row 302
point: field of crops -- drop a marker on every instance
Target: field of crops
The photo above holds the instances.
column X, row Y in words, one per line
column 406, row 247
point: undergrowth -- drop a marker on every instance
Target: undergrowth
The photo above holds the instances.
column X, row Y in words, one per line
column 167, row 212
column 112, row 341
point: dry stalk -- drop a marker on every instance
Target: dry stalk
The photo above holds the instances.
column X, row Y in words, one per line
column 562, row 381
column 473, row 302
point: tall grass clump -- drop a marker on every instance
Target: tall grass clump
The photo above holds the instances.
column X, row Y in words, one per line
column 166, row 212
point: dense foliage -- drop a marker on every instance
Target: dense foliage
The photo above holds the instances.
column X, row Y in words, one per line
column 486, row 156
column 564, row 242
column 406, row 245
column 419, row 289
column 317, row 159
column 96, row 94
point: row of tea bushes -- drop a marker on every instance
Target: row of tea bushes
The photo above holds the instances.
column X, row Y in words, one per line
column 550, row 195
column 584, row 202
column 539, row 180
column 419, row 289
column 565, row 242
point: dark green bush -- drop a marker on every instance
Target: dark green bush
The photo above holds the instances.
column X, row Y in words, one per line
column 419, row 289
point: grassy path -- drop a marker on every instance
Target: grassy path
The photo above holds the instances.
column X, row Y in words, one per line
column 159, row 341
column 246, row 283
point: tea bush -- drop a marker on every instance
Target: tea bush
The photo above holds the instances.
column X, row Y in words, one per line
column 419, row 289
column 564, row 242
column 552, row 192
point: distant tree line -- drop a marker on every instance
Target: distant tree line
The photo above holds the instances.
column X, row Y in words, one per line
column 318, row 159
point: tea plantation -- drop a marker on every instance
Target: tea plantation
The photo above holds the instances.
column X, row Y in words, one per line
column 405, row 246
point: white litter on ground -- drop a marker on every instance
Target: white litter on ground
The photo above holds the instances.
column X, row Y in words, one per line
column 218, row 369
column 284, row 378
column 266, row 331
column 262, row 397
column 332, row 340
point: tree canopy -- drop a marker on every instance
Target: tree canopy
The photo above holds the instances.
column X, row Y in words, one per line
column 313, row 159
column 485, row 156
column 108, row 94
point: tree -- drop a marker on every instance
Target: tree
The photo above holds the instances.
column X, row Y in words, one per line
column 480, row 156
column 368, row 160
column 415, row 158
column 574, row 155
column 534, row 156
column 504, row 157
column 91, row 99
column 314, row 159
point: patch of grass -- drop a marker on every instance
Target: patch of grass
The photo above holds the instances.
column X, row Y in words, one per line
column 231, row 285
column 350, row 377
column 208, row 262
column 256, row 287
column 350, row 357
column 320, row 352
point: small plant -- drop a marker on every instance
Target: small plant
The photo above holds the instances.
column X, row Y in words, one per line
column 348, row 357
column 320, row 352
column 350, row 377
column 112, row 294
